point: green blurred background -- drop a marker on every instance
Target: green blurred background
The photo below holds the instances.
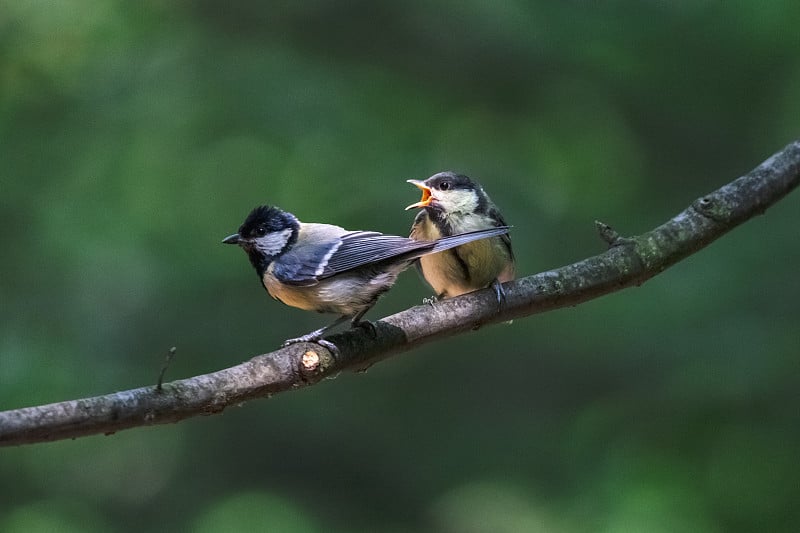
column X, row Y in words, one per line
column 136, row 135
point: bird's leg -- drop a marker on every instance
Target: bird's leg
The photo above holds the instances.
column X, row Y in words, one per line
column 356, row 322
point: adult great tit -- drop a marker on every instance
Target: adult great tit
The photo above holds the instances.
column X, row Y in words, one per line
column 325, row 268
column 451, row 204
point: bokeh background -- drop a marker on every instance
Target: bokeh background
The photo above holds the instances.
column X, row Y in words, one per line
column 135, row 135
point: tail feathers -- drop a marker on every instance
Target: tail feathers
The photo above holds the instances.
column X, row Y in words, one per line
column 445, row 243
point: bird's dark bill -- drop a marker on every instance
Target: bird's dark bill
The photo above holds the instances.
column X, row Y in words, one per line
column 231, row 239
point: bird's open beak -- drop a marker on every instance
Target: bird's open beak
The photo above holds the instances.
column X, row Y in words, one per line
column 427, row 197
column 231, row 239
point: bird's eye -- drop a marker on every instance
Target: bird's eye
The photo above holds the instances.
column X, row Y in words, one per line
column 444, row 185
column 261, row 231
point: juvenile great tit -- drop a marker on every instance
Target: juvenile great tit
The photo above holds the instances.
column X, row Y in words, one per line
column 328, row 269
column 451, row 204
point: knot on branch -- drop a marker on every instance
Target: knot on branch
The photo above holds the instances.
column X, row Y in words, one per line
column 712, row 207
column 314, row 362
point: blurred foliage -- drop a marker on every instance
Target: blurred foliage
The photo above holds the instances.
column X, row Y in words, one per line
column 135, row 135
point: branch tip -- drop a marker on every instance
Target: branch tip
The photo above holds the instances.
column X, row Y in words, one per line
column 167, row 361
column 607, row 233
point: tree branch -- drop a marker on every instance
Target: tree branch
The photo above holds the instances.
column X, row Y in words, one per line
column 628, row 261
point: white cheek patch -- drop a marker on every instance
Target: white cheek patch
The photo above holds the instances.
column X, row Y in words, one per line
column 272, row 243
column 459, row 201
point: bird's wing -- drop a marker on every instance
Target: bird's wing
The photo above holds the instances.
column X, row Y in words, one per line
column 506, row 238
column 320, row 253
column 305, row 261
column 451, row 241
column 311, row 260
column 361, row 248
column 304, row 265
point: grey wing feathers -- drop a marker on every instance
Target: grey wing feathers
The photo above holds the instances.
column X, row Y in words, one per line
column 505, row 238
column 445, row 243
column 363, row 247
column 304, row 265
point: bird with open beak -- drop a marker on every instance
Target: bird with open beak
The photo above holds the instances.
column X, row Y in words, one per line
column 451, row 204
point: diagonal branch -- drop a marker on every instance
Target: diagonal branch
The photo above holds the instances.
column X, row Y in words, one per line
column 628, row 261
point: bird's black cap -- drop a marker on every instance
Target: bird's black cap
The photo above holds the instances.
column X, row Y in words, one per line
column 453, row 181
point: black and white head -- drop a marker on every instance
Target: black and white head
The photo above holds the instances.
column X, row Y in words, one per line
column 451, row 193
column 266, row 233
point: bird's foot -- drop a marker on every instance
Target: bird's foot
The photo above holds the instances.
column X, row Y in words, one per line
column 430, row 300
column 314, row 337
column 367, row 325
column 330, row 346
column 500, row 294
